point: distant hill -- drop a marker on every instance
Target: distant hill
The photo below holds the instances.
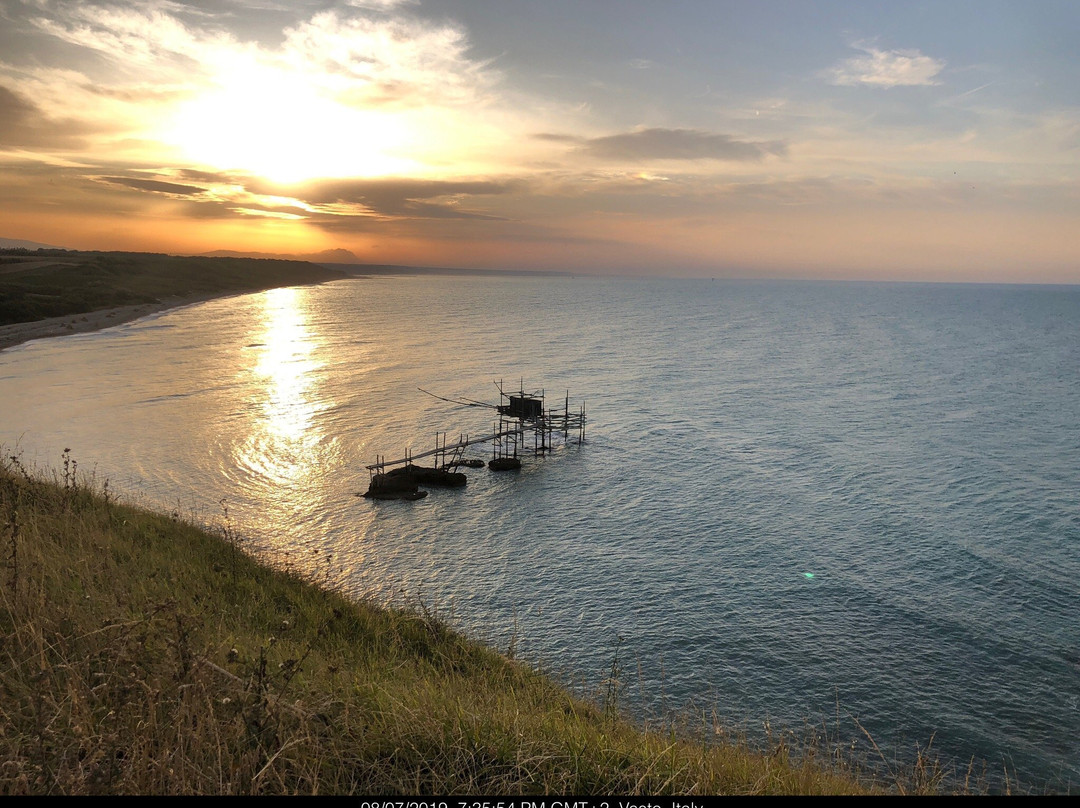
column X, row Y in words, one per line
column 338, row 256
column 20, row 244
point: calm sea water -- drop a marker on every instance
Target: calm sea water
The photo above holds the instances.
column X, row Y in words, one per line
column 834, row 504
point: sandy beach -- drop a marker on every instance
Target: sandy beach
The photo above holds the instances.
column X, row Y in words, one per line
column 17, row 333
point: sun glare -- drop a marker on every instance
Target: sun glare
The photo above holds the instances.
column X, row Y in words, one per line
column 280, row 126
column 282, row 436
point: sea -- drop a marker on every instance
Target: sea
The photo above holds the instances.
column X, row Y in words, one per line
column 840, row 510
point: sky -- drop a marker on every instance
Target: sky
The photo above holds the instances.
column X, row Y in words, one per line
column 869, row 140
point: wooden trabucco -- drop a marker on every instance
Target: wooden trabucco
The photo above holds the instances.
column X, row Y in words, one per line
column 524, row 425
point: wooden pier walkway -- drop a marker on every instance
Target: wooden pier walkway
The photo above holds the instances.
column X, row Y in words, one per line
column 520, row 414
column 446, row 448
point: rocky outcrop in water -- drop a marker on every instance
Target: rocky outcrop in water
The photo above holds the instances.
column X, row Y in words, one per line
column 403, row 482
column 387, row 486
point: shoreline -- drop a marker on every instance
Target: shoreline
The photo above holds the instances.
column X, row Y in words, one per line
column 84, row 322
column 15, row 334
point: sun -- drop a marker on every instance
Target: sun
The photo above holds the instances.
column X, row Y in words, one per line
column 284, row 127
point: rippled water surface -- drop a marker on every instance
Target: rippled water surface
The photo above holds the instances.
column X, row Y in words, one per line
column 796, row 502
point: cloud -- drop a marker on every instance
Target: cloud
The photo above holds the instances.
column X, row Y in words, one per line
column 222, row 194
column 215, row 177
column 361, row 206
column 15, row 110
column 157, row 186
column 886, row 68
column 429, row 199
column 365, row 59
column 24, row 125
column 380, row 5
column 146, row 37
column 670, row 144
column 175, row 85
column 556, row 137
column 357, row 54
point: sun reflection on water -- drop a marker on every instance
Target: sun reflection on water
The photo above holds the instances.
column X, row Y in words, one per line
column 286, row 364
column 285, row 452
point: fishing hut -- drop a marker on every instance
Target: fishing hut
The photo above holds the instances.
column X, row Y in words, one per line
column 525, row 425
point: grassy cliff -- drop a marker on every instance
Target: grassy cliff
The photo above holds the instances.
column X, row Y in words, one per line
column 55, row 283
column 141, row 655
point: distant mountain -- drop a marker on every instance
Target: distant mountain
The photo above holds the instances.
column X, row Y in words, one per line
column 338, row 256
column 20, row 244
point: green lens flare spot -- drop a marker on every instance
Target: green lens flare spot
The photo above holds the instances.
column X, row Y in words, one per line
column 808, row 574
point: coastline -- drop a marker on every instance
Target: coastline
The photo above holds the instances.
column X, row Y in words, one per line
column 100, row 281
column 15, row 334
column 84, row 322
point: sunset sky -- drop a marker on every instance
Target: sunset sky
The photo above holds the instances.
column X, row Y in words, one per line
column 876, row 140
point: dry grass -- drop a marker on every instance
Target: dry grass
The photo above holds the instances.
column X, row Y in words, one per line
column 141, row 655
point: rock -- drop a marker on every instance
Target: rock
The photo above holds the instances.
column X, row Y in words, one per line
column 429, row 476
column 394, row 486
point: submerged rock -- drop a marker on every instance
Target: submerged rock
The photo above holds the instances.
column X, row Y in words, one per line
column 394, row 486
column 402, row 482
column 471, row 463
column 429, row 476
